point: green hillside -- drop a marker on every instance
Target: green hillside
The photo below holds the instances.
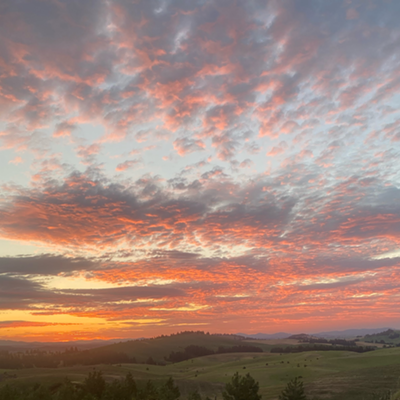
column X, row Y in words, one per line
column 161, row 347
column 335, row 375
column 387, row 337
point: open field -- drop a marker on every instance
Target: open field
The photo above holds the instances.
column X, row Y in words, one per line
column 327, row 375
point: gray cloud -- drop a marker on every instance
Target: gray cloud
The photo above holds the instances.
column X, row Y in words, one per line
column 45, row 264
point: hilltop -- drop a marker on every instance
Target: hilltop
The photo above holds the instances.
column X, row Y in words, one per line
column 345, row 334
column 160, row 348
column 389, row 336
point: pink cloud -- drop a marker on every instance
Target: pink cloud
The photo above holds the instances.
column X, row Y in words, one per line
column 289, row 127
column 352, row 13
column 17, row 160
column 129, row 164
column 64, row 128
column 186, row 146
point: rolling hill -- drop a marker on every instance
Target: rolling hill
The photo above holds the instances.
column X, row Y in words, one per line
column 337, row 375
column 389, row 336
column 161, row 347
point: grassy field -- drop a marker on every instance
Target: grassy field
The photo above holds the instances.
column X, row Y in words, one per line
column 327, row 375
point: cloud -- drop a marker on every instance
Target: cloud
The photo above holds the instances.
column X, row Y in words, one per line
column 247, row 163
column 64, row 128
column 23, row 293
column 44, row 264
column 29, row 324
column 88, row 153
column 276, row 150
column 142, row 213
column 17, row 160
column 129, row 164
column 289, row 127
column 193, row 68
column 351, row 13
column 186, row 146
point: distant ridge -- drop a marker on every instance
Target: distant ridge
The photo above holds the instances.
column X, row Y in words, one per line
column 301, row 336
column 91, row 344
column 53, row 346
column 348, row 333
column 279, row 335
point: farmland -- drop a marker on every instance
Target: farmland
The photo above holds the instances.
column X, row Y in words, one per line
column 327, row 374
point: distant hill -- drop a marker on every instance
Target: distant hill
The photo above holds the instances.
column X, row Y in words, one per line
column 301, row 336
column 348, row 333
column 155, row 351
column 161, row 347
column 279, row 335
column 213, row 340
column 12, row 345
column 389, row 336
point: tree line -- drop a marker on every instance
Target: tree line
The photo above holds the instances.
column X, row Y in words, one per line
column 95, row 387
column 45, row 359
column 340, row 342
column 321, row 347
column 390, row 333
column 194, row 351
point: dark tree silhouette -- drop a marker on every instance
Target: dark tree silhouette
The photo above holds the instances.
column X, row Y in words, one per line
column 95, row 384
column 169, row 391
column 241, row 388
column 195, row 395
column 293, row 391
column 150, row 392
column 67, row 392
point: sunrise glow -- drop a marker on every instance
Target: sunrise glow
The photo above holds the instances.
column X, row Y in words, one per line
column 228, row 166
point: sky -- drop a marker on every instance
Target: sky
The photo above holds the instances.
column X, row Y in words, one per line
column 217, row 165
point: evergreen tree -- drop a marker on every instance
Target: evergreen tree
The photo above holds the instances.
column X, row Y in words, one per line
column 129, row 385
column 88, row 396
column 114, row 391
column 195, row 395
column 169, row 391
column 150, row 392
column 241, row 388
column 67, row 391
column 8, row 393
column 95, row 384
column 39, row 392
column 293, row 391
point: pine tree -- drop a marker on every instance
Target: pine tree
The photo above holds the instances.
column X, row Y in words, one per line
column 293, row 391
column 195, row 395
column 130, row 387
column 241, row 388
column 170, row 391
column 149, row 392
column 67, row 391
column 95, row 384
